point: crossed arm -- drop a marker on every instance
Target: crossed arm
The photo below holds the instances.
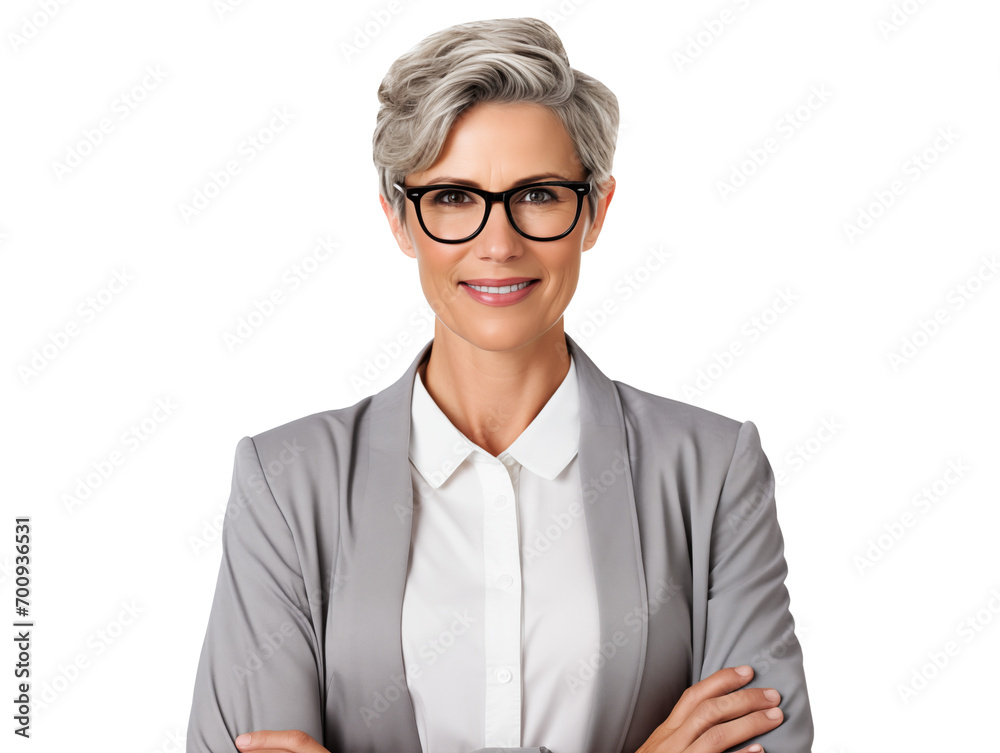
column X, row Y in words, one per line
column 711, row 717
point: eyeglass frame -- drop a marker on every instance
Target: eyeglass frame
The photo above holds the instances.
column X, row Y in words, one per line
column 415, row 193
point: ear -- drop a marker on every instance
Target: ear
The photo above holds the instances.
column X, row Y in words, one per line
column 398, row 228
column 602, row 209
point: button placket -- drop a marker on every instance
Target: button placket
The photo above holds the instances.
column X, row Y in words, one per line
column 501, row 553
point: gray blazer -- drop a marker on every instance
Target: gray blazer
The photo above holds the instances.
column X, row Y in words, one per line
column 304, row 631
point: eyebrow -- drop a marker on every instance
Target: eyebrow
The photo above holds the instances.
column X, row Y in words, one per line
column 442, row 179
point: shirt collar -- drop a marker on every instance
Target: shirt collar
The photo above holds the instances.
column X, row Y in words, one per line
column 545, row 447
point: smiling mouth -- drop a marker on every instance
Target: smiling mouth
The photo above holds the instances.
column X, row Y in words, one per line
column 502, row 289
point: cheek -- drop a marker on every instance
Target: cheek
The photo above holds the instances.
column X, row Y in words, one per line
column 436, row 274
column 570, row 259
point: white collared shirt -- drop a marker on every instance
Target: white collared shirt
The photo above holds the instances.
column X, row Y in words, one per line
column 500, row 622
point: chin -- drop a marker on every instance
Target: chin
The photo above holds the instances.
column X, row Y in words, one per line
column 497, row 342
column 502, row 337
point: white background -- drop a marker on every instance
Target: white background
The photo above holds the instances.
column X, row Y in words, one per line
column 872, row 609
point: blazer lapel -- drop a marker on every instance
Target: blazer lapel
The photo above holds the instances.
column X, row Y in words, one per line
column 375, row 549
column 383, row 520
column 613, row 530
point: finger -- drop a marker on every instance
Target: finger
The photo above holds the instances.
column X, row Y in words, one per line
column 716, row 684
column 710, row 717
column 722, row 737
column 283, row 741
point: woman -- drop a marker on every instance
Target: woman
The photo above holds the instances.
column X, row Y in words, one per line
column 565, row 562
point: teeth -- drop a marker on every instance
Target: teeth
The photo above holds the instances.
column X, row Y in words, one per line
column 504, row 289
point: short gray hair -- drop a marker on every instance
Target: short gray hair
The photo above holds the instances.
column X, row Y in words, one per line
column 502, row 60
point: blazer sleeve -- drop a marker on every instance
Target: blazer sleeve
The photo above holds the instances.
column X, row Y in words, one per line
column 748, row 620
column 259, row 664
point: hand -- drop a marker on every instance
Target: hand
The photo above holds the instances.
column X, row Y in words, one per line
column 279, row 741
column 713, row 715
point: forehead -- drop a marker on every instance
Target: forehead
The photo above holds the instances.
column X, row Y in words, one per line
column 495, row 144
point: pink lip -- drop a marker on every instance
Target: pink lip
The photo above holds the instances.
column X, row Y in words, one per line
column 500, row 299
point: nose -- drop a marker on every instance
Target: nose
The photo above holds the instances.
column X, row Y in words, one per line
column 499, row 240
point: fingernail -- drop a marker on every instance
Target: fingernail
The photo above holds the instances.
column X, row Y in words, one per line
column 755, row 748
column 772, row 695
column 242, row 740
column 744, row 671
column 774, row 713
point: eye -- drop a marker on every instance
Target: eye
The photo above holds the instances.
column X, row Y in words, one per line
column 451, row 197
column 537, row 196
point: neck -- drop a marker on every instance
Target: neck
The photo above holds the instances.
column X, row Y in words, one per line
column 491, row 396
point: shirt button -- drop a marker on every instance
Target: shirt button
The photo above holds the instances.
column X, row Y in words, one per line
column 499, row 502
column 505, row 581
column 504, row 675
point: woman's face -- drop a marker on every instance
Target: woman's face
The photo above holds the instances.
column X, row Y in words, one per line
column 494, row 147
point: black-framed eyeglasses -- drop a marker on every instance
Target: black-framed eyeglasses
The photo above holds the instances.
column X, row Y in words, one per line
column 544, row 211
